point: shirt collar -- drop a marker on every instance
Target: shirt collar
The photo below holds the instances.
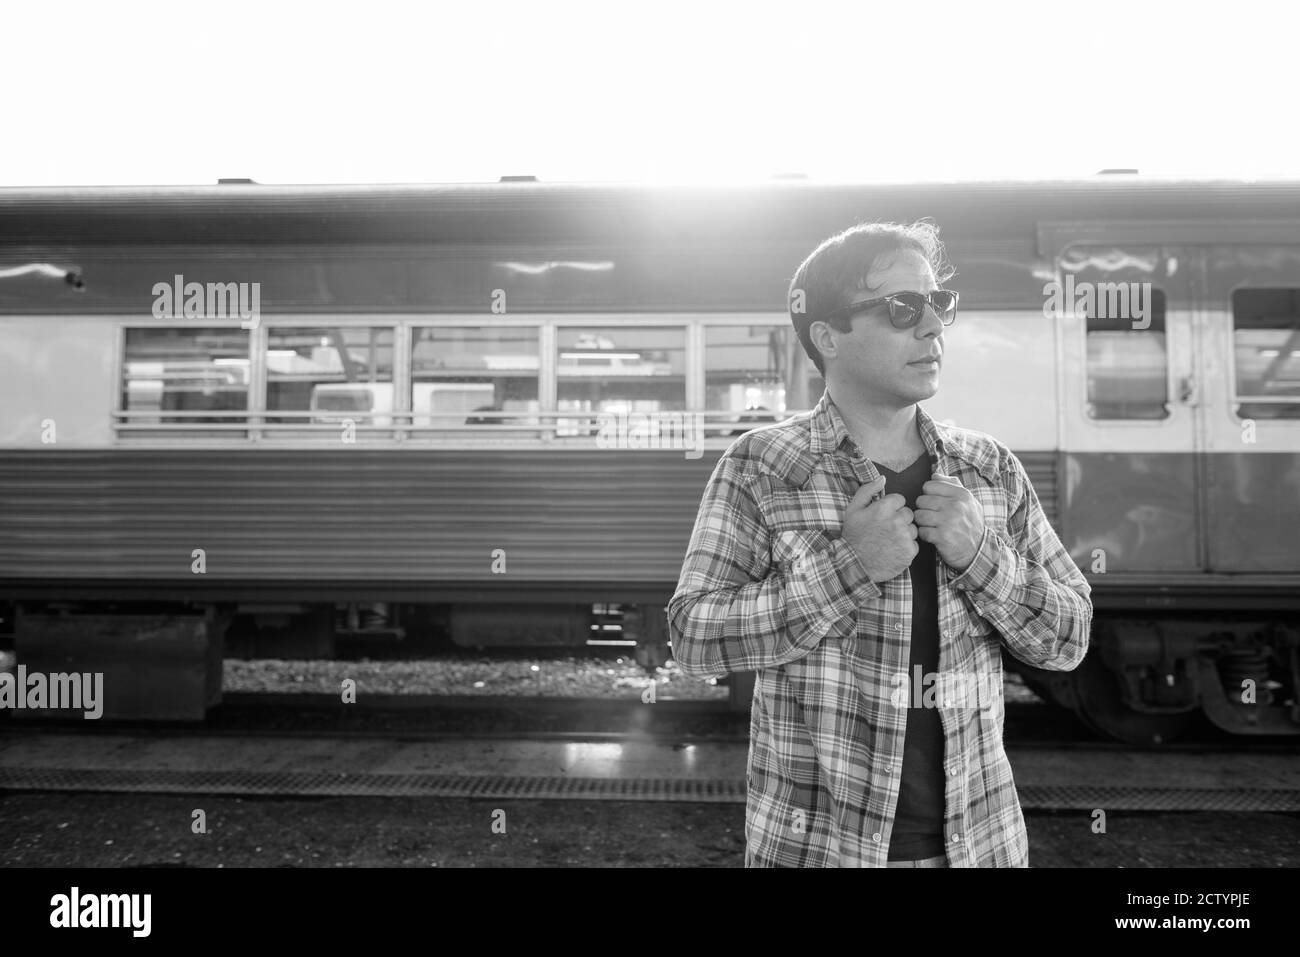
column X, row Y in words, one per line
column 830, row 433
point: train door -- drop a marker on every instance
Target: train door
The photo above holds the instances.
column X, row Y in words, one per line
column 1131, row 479
column 1130, row 407
column 1251, row 401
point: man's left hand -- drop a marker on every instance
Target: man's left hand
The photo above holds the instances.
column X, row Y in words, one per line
column 948, row 517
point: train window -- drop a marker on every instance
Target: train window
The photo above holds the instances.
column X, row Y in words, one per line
column 323, row 375
column 467, row 376
column 190, row 376
column 747, row 371
column 1128, row 375
column 1266, row 344
column 617, row 369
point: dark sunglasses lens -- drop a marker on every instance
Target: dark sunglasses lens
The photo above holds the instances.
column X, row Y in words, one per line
column 905, row 309
column 945, row 304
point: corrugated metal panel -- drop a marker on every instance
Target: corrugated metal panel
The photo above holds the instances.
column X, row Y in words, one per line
column 1042, row 471
column 414, row 515
column 369, row 515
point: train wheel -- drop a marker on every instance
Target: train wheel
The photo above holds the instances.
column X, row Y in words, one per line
column 1098, row 703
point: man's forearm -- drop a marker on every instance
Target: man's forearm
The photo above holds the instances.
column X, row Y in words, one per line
column 1043, row 619
column 718, row 629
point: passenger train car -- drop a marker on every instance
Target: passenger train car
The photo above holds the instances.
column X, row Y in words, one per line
column 245, row 409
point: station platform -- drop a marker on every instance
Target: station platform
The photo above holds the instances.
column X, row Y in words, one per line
column 652, row 770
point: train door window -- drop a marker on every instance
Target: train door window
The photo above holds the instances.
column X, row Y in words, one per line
column 1266, row 347
column 184, row 377
column 464, row 378
column 1128, row 360
column 323, row 375
column 748, row 371
column 617, row 369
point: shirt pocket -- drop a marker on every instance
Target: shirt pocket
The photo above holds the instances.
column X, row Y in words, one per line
column 818, row 507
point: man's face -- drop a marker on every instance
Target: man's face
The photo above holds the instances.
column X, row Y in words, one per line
column 884, row 365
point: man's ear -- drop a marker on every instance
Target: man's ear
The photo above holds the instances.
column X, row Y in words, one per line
column 823, row 338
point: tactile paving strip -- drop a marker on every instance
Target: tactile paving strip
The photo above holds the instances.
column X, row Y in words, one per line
column 335, row 784
column 1157, row 799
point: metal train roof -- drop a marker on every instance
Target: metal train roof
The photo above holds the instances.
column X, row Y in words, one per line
column 528, row 211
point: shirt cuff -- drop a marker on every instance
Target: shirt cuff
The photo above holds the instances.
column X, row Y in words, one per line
column 852, row 573
column 984, row 574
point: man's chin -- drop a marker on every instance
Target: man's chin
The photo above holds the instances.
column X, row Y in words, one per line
column 920, row 393
column 905, row 394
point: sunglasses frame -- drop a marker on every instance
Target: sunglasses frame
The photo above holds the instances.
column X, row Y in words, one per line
column 894, row 300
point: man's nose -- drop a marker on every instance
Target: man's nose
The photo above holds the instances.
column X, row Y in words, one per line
column 930, row 325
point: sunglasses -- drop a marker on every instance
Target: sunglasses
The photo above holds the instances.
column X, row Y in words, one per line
column 907, row 308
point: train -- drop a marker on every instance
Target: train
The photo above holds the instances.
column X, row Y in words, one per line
column 275, row 415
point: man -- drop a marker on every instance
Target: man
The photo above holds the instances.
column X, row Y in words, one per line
column 869, row 564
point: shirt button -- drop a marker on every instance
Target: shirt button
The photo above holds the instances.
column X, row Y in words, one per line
column 876, row 837
column 956, row 838
column 947, row 634
column 898, row 626
column 947, row 702
column 953, row 771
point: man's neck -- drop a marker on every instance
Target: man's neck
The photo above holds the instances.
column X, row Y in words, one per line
column 882, row 432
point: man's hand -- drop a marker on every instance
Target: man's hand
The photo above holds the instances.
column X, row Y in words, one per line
column 881, row 533
column 949, row 518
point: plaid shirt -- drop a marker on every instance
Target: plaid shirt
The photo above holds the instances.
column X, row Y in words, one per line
column 769, row 586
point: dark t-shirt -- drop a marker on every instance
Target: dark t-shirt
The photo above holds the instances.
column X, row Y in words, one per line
column 918, row 821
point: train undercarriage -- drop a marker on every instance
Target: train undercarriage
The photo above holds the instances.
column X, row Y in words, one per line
column 1146, row 680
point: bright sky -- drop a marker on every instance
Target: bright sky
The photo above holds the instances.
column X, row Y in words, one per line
column 135, row 92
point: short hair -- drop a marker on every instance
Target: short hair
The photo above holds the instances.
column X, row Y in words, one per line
column 839, row 267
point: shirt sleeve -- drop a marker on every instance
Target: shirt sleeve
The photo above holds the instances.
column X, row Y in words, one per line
column 1026, row 585
column 733, row 611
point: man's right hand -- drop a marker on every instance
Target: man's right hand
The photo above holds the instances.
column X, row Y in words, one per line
column 881, row 533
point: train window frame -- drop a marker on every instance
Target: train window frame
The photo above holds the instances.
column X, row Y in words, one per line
column 401, row 430
column 375, row 424
column 531, row 435
column 242, row 422
column 728, row 423
column 1168, row 403
column 578, row 427
column 1236, row 400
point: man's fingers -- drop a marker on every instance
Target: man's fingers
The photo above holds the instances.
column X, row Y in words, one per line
column 943, row 485
column 867, row 492
column 925, row 517
column 931, row 501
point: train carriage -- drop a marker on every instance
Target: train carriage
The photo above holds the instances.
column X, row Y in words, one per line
column 500, row 403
